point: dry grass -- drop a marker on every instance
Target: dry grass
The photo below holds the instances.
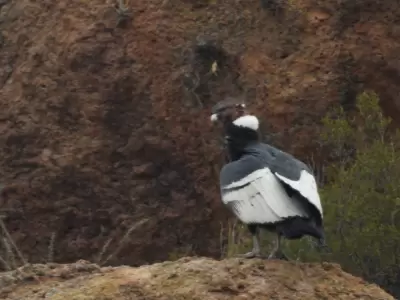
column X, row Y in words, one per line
column 50, row 253
column 10, row 250
column 11, row 257
column 234, row 238
column 120, row 243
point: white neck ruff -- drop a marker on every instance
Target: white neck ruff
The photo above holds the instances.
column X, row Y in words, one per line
column 247, row 121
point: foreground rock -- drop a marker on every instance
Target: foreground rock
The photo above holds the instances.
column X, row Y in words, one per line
column 187, row 278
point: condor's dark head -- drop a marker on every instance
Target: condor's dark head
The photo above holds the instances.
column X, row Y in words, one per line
column 239, row 126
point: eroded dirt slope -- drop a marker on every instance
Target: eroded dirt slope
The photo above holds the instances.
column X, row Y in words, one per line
column 187, row 278
column 102, row 127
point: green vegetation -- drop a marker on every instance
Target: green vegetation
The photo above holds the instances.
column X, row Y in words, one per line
column 361, row 195
column 361, row 198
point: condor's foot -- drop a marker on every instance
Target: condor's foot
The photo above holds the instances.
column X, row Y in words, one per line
column 321, row 246
column 277, row 252
column 251, row 254
column 278, row 255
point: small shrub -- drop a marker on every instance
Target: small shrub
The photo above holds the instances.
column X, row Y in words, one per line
column 361, row 199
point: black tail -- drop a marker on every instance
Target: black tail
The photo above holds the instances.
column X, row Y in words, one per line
column 319, row 241
column 297, row 227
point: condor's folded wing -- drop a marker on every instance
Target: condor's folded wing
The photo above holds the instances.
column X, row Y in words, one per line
column 255, row 194
column 295, row 174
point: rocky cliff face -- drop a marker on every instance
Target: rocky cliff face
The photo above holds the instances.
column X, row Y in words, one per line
column 187, row 278
column 105, row 125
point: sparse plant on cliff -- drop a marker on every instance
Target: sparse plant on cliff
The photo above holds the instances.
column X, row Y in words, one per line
column 123, row 13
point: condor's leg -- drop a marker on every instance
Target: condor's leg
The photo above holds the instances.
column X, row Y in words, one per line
column 277, row 251
column 256, row 252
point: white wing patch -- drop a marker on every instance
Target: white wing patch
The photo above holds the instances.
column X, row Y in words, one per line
column 306, row 186
column 261, row 198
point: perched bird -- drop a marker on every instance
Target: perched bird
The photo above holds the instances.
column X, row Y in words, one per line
column 265, row 187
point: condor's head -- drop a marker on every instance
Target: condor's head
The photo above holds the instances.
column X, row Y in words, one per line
column 235, row 119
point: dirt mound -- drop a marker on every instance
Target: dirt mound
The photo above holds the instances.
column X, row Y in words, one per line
column 187, row 278
column 103, row 126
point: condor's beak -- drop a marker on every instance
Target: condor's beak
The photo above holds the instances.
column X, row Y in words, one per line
column 214, row 118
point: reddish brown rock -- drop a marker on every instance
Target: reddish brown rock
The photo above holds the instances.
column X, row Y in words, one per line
column 102, row 127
